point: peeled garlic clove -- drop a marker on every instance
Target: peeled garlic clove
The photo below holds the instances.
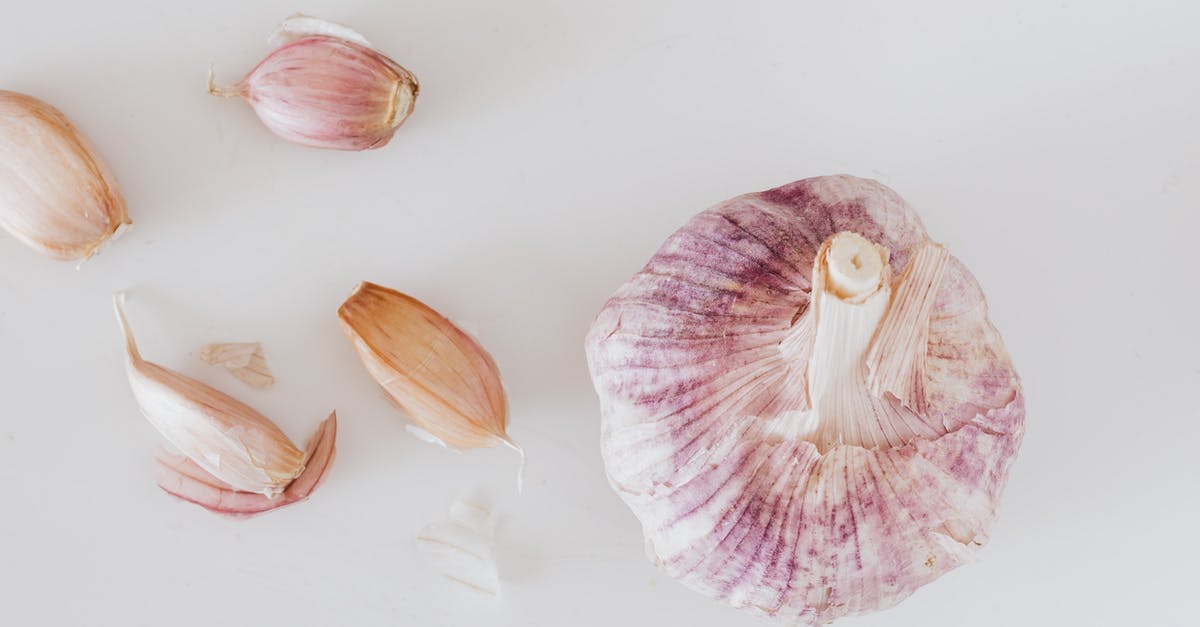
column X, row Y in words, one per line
column 244, row 360
column 441, row 377
column 56, row 194
column 181, row 477
column 325, row 86
column 460, row 547
column 223, row 436
column 804, row 403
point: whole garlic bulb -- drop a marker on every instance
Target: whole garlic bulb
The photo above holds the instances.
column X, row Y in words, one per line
column 326, row 86
column 56, row 194
column 804, row 402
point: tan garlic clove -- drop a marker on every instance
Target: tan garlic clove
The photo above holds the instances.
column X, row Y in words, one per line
column 227, row 439
column 437, row 374
column 56, row 194
column 244, row 360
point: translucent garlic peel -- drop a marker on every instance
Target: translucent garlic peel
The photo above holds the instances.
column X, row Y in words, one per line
column 299, row 25
column 793, row 448
column 244, row 360
column 325, row 86
column 224, row 437
column 440, row 376
column 460, row 547
column 56, row 193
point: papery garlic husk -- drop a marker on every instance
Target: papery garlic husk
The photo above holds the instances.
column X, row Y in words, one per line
column 460, row 547
column 244, row 360
column 56, row 194
column 325, row 86
column 238, row 449
column 440, row 376
column 804, row 403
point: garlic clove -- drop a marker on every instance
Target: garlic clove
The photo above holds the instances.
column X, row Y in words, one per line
column 181, row 477
column 446, row 382
column 225, row 437
column 802, row 436
column 324, row 86
column 244, row 360
column 56, row 194
column 430, row 369
column 460, row 547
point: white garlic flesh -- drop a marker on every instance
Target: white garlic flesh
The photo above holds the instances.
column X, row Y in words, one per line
column 804, row 402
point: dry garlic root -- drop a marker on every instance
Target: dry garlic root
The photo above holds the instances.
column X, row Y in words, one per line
column 234, row 460
column 325, row 86
column 56, row 194
column 804, row 402
column 437, row 374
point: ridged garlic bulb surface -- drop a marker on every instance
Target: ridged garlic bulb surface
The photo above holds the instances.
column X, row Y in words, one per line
column 789, row 449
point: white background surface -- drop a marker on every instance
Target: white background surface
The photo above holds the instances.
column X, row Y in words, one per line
column 1055, row 147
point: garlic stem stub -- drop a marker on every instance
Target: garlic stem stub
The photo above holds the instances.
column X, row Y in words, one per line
column 233, row 460
column 56, row 193
column 326, row 86
column 804, row 403
column 432, row 370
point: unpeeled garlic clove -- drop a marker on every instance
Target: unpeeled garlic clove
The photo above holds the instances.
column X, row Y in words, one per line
column 804, row 402
column 437, row 374
column 226, row 439
column 56, row 194
column 325, row 86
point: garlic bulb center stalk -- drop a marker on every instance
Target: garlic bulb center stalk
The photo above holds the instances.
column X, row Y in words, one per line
column 850, row 296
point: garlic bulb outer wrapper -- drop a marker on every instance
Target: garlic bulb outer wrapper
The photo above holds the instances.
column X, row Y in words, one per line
column 326, row 87
column 56, row 193
column 440, row 376
column 224, row 437
column 781, row 451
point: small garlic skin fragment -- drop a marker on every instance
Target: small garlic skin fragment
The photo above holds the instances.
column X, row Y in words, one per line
column 182, row 478
column 56, row 193
column 224, row 437
column 440, row 376
column 460, row 547
column 244, row 360
column 793, row 445
column 325, row 86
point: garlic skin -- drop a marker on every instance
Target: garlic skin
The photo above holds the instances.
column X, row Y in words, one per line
column 804, row 403
column 235, row 447
column 244, row 360
column 325, row 86
column 460, row 547
column 186, row 480
column 437, row 374
column 56, row 194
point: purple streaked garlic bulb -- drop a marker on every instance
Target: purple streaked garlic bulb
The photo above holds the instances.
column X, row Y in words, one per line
column 325, row 86
column 804, row 403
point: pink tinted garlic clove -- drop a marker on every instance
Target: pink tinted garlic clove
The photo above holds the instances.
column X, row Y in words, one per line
column 325, row 86
column 804, row 403
column 184, row 479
